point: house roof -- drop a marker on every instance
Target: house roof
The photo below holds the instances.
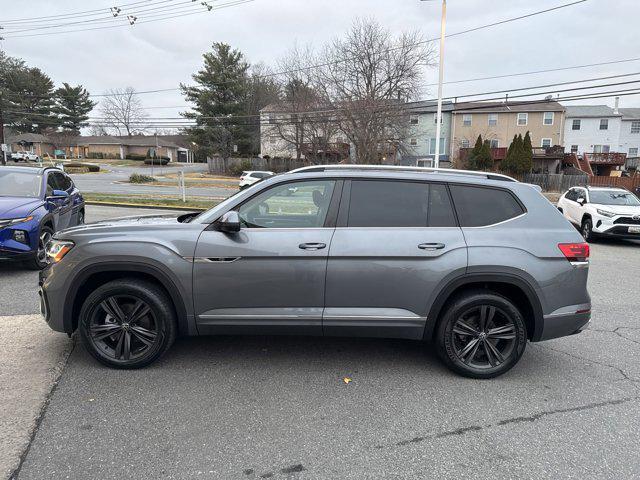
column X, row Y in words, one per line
column 508, row 107
column 145, row 141
column 630, row 113
column 28, row 138
column 96, row 140
column 429, row 107
column 590, row 111
column 180, row 140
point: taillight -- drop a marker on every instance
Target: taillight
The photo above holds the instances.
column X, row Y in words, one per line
column 575, row 252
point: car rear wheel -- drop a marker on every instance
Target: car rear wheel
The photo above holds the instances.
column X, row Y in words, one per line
column 127, row 323
column 481, row 335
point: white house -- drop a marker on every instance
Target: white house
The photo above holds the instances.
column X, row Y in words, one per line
column 592, row 129
column 630, row 132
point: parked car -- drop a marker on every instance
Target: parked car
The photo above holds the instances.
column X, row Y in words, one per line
column 250, row 177
column 476, row 263
column 25, row 157
column 34, row 204
column 602, row 211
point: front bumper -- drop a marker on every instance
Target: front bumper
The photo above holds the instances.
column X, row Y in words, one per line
column 52, row 299
column 617, row 226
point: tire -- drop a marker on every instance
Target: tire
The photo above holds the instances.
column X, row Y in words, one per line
column 146, row 322
column 81, row 217
column 39, row 260
column 586, row 229
column 470, row 350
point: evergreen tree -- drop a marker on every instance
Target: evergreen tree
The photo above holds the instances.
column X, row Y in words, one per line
column 484, row 161
column 509, row 162
column 27, row 96
column 220, row 91
column 526, row 161
column 72, row 107
column 474, row 153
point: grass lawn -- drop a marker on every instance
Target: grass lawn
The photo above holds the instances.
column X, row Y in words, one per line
column 159, row 200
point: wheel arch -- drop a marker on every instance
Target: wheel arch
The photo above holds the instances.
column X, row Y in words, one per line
column 511, row 286
column 91, row 277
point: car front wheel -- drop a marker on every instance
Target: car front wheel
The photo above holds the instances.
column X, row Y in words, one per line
column 127, row 323
column 481, row 335
column 587, row 230
column 39, row 260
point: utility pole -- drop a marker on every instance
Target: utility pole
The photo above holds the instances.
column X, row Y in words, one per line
column 436, row 162
column 4, row 147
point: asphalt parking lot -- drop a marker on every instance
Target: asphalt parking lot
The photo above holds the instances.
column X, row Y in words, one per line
column 277, row 407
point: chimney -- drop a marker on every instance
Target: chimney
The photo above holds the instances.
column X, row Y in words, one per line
column 615, row 107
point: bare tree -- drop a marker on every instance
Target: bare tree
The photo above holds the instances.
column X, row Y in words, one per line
column 122, row 111
column 367, row 77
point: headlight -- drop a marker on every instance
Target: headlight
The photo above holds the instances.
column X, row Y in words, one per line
column 14, row 221
column 604, row 213
column 57, row 249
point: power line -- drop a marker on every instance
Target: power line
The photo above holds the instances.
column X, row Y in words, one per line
column 73, row 14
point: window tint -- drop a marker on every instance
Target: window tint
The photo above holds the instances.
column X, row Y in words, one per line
column 571, row 194
column 52, row 183
column 440, row 208
column 479, row 206
column 291, row 205
column 388, row 204
column 64, row 181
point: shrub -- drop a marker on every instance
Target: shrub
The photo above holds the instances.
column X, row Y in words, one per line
column 91, row 167
column 76, row 169
column 140, row 178
column 237, row 168
column 136, row 156
column 156, row 161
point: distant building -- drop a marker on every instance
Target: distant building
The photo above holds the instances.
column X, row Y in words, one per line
column 630, row 134
column 419, row 145
column 592, row 129
column 498, row 122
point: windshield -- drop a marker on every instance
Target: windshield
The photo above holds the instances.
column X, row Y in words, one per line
column 20, row 184
column 613, row 197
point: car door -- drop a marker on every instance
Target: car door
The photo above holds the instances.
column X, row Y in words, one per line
column 270, row 276
column 75, row 199
column 573, row 207
column 395, row 243
column 64, row 206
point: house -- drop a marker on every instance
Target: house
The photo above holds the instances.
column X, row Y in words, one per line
column 498, row 122
column 630, row 135
column 592, row 129
column 418, row 148
column 184, row 144
column 36, row 143
column 285, row 133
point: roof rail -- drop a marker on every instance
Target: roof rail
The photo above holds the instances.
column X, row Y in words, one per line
column 448, row 171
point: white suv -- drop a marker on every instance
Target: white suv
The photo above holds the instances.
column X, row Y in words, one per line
column 602, row 211
column 249, row 177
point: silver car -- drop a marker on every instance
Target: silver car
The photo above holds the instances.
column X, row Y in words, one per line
column 473, row 263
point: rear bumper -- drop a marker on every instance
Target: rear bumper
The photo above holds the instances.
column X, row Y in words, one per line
column 566, row 321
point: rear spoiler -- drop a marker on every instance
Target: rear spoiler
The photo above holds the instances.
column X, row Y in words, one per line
column 535, row 187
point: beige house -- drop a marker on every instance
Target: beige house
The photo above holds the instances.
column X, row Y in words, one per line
column 498, row 122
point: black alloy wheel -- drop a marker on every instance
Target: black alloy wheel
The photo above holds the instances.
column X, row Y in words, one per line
column 127, row 323
column 587, row 230
column 481, row 335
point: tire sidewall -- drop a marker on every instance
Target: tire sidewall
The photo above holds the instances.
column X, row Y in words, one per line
column 153, row 298
column 589, row 236
column 445, row 338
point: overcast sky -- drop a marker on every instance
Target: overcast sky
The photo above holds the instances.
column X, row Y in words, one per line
column 164, row 53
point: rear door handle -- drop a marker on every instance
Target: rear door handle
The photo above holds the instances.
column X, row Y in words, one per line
column 431, row 246
column 312, row 246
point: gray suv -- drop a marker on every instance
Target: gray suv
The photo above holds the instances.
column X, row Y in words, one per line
column 475, row 263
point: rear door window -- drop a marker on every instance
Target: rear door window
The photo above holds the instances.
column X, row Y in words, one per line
column 482, row 206
column 378, row 203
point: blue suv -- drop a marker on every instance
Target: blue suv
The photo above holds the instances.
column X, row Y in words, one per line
column 35, row 203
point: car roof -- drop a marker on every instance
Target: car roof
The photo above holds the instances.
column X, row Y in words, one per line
column 607, row 189
column 34, row 170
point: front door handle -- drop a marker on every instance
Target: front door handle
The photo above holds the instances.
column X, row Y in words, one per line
column 431, row 246
column 312, row 246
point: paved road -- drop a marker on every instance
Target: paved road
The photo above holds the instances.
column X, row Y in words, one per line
column 109, row 182
column 268, row 407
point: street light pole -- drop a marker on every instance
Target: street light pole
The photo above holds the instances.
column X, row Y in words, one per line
column 436, row 162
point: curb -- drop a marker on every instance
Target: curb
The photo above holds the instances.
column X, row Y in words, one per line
column 138, row 205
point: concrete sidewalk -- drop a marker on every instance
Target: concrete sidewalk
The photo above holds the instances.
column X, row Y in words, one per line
column 31, row 360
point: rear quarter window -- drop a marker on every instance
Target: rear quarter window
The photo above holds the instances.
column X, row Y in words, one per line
column 482, row 206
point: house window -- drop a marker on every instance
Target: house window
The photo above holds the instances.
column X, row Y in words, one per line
column 547, row 118
column 413, row 142
column 574, row 148
column 464, row 143
column 494, row 143
column 492, row 119
column 413, row 119
column 604, row 124
column 432, row 146
column 272, row 118
column 466, row 119
column 601, row 149
column 435, row 118
column 635, row 126
column 546, row 143
column 575, row 125
column 523, row 119
column 340, row 140
column 633, row 152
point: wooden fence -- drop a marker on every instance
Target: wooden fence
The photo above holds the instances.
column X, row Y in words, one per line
column 561, row 182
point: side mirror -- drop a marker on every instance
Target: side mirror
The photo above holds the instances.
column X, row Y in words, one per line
column 230, row 222
column 581, row 200
column 58, row 195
